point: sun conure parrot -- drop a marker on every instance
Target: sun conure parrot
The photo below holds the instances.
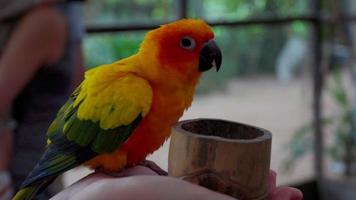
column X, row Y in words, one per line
column 124, row 111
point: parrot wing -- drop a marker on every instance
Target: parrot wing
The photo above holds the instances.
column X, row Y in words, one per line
column 97, row 118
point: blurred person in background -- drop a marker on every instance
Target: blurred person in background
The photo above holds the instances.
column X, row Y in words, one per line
column 293, row 53
column 40, row 64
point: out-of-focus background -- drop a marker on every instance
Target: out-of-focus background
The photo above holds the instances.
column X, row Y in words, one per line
column 288, row 66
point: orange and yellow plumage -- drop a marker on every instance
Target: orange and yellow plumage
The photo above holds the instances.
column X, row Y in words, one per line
column 124, row 111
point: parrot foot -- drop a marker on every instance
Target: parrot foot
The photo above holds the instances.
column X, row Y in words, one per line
column 110, row 172
column 153, row 166
column 130, row 171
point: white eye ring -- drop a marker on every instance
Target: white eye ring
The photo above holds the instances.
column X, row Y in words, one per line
column 187, row 43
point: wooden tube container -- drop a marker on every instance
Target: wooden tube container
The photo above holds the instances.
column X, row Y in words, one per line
column 224, row 156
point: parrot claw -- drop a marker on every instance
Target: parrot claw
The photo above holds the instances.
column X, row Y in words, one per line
column 153, row 166
column 110, row 172
column 132, row 171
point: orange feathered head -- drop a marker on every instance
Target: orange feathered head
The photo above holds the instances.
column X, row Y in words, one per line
column 185, row 47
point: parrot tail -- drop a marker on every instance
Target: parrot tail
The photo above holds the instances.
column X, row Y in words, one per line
column 30, row 192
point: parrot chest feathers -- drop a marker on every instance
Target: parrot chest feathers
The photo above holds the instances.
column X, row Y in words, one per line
column 155, row 128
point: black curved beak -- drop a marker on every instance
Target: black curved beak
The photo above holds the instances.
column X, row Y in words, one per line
column 210, row 56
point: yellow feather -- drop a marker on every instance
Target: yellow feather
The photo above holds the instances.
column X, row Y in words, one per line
column 114, row 97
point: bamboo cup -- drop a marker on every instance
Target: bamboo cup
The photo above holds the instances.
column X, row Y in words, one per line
column 224, row 156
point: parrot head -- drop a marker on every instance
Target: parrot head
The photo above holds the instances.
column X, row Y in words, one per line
column 183, row 49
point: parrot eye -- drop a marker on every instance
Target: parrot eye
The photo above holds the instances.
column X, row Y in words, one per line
column 187, row 43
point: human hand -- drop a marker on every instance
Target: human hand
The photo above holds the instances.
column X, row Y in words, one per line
column 6, row 190
column 142, row 182
column 281, row 192
column 275, row 193
column 147, row 167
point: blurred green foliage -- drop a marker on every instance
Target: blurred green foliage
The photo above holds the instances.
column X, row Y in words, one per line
column 108, row 12
column 341, row 123
column 243, row 9
column 107, row 48
column 246, row 50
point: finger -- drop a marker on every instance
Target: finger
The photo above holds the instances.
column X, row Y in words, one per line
column 132, row 171
column 272, row 177
column 286, row 193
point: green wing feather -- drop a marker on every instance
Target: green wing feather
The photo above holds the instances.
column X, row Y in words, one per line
column 78, row 134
